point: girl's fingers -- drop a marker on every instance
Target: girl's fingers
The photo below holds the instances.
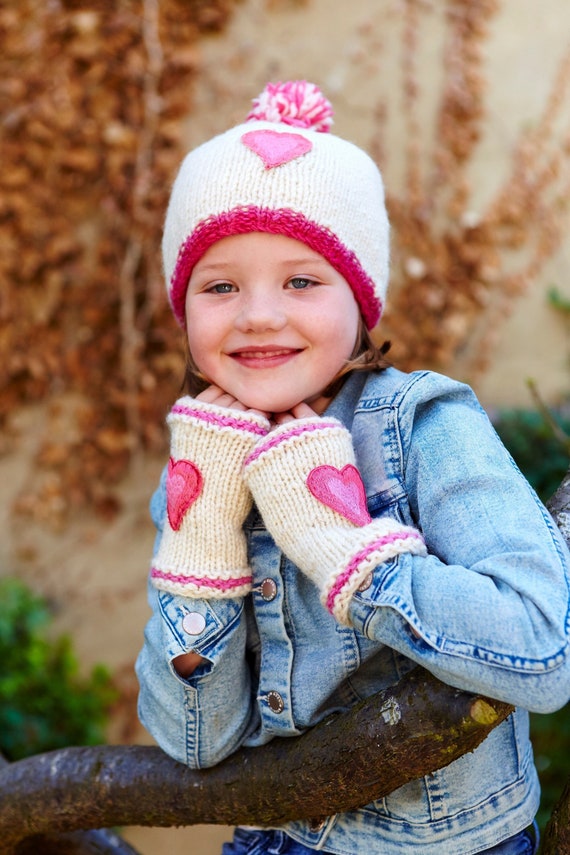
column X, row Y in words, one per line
column 283, row 418
column 303, row 411
column 216, row 395
column 210, row 395
column 300, row 411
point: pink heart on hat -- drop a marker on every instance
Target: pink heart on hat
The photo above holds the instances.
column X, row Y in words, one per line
column 183, row 486
column 342, row 490
column 276, row 148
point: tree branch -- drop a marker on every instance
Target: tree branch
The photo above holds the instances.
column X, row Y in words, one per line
column 347, row 761
column 557, row 834
column 344, row 762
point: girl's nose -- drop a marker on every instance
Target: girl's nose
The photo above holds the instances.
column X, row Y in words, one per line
column 261, row 312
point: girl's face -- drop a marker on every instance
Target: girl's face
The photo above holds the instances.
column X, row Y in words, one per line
column 269, row 321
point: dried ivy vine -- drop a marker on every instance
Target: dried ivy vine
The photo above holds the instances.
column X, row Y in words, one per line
column 92, row 102
column 456, row 270
column 92, row 98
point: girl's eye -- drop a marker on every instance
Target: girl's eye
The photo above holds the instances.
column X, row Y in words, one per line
column 300, row 282
column 221, row 288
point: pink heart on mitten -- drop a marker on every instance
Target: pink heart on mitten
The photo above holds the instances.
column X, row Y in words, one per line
column 183, row 486
column 342, row 490
column 275, row 148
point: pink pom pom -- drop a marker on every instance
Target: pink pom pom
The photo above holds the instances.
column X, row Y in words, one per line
column 295, row 103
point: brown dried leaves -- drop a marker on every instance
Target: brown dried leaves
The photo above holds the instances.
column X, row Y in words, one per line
column 91, row 100
column 456, row 273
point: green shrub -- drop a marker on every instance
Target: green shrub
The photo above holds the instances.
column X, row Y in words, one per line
column 536, row 446
column 44, row 702
column 550, row 736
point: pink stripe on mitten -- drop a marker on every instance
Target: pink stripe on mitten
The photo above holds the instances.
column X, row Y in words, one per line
column 204, row 586
column 388, row 545
column 288, row 432
column 219, row 417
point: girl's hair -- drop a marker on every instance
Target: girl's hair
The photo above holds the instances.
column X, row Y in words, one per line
column 366, row 356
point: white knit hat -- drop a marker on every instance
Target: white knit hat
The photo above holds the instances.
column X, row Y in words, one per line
column 282, row 173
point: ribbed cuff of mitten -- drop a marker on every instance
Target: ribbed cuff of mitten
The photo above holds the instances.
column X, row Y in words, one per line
column 219, row 422
column 202, row 552
column 310, row 494
column 354, row 554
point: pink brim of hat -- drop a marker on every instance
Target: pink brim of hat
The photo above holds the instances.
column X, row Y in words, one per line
column 270, row 221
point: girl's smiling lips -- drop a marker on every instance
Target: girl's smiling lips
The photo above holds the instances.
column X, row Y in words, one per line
column 264, row 356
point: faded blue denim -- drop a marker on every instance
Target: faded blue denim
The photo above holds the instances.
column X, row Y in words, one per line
column 262, row 842
column 487, row 611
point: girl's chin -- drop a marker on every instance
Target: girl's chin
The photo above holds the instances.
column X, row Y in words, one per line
column 284, row 405
column 272, row 407
column 266, row 399
column 267, row 403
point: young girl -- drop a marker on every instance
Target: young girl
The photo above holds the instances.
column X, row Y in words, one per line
column 327, row 523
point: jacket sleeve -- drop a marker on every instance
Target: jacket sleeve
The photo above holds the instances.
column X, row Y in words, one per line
column 487, row 610
column 200, row 720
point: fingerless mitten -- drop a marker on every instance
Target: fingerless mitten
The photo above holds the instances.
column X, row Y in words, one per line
column 310, row 494
column 202, row 552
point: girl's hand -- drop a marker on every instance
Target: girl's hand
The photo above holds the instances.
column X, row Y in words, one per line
column 300, row 411
column 216, row 395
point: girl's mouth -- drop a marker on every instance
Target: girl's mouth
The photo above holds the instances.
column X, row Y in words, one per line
column 259, row 357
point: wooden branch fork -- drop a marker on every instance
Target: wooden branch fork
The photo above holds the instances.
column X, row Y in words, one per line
column 55, row 802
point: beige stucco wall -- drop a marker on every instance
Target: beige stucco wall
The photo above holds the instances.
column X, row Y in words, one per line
column 96, row 572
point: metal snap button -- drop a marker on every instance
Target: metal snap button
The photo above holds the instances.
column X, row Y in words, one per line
column 365, row 584
column 268, row 590
column 275, row 702
column 193, row 623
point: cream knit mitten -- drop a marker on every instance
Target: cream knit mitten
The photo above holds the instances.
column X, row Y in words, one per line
column 310, row 494
column 202, row 551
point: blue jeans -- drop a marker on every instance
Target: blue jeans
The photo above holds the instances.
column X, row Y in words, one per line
column 269, row 842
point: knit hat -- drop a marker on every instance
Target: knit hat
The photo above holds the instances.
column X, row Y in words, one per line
column 282, row 172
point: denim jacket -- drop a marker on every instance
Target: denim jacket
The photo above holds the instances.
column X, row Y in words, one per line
column 487, row 610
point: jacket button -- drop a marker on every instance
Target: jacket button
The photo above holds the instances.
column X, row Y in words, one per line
column 193, row 623
column 275, row 702
column 365, row 584
column 268, row 590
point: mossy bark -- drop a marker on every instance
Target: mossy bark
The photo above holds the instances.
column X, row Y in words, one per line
column 344, row 762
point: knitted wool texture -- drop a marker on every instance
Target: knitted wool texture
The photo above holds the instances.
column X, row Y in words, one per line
column 282, row 174
column 305, row 483
column 202, row 551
